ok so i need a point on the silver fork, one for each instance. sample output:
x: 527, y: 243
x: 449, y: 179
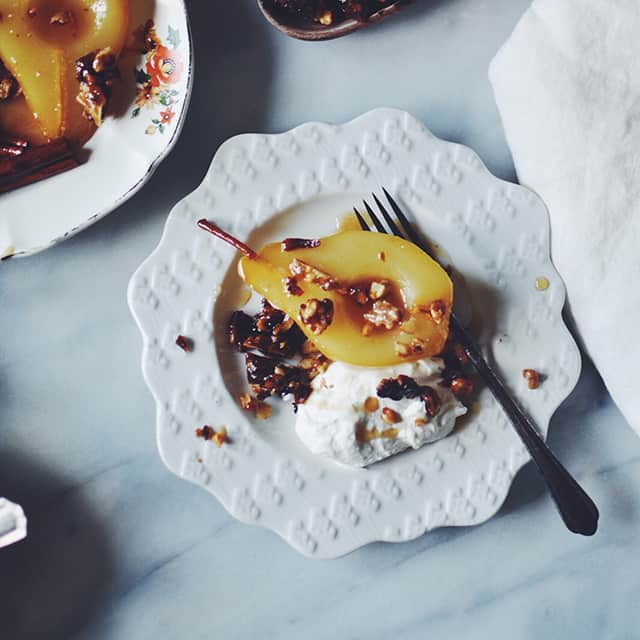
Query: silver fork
x: 578, y: 511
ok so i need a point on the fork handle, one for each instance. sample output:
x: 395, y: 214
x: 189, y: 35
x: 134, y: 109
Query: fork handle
x: 578, y: 511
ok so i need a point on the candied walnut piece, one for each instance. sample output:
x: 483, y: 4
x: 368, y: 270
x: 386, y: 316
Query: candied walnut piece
x: 316, y: 314
x: 371, y: 404
x: 60, y: 18
x: 532, y: 377
x: 239, y: 329
x: 461, y: 387
x: 186, y: 344
x: 205, y: 432
x: 289, y: 244
x: 431, y: 399
x: 397, y: 388
x: 378, y: 290
x: 390, y: 416
x: 220, y: 437
x: 299, y: 269
x: 96, y: 72
x: 406, y: 349
x: 437, y: 310
x: 383, y: 314
x: 261, y: 409
x: 270, y: 331
x: 291, y: 286
x: 9, y: 86
x: 269, y: 377
x: 314, y: 364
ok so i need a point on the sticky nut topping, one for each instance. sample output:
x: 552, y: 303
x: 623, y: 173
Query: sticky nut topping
x: 300, y: 270
x: 378, y: 290
x: 437, y: 310
x: 290, y: 244
x: 383, y: 314
x: 317, y: 315
x: 532, y: 377
x: 404, y: 349
x: 461, y: 387
x: 261, y: 409
x: 9, y: 86
x: 403, y: 386
x: 60, y: 18
x: 291, y: 286
x: 95, y: 72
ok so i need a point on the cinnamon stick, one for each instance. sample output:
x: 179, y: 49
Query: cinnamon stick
x: 34, y: 164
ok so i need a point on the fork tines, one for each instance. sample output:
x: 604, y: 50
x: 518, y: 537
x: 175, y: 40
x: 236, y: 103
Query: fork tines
x: 394, y: 228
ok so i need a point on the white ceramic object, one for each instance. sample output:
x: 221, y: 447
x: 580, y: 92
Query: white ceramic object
x: 124, y: 152
x: 13, y: 523
x: 265, y: 187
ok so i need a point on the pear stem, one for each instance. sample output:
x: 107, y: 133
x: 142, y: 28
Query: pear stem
x: 228, y: 238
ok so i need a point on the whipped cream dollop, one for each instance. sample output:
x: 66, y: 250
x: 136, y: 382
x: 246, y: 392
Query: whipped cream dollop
x: 335, y: 422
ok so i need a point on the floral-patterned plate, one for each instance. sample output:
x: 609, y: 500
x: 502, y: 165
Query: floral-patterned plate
x: 147, y: 112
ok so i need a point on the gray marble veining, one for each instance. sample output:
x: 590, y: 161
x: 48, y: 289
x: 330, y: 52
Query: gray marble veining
x: 119, y: 548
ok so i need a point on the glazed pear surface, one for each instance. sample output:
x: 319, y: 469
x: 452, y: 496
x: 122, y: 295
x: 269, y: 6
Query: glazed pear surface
x: 414, y: 284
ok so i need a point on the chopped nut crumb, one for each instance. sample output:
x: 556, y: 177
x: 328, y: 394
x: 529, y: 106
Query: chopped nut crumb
x: 431, y: 399
x: 398, y: 388
x: 390, y: 416
x: 186, y: 344
x: 60, y: 17
x: 291, y: 286
x: 383, y: 314
x: 532, y: 377
x: 326, y: 18
x: 461, y: 387
x: 377, y: 290
x: 220, y: 437
x: 371, y: 404
x: 315, y: 364
x: 300, y: 269
x: 9, y: 86
x: 406, y: 349
x: 316, y: 314
x: 437, y: 310
x: 205, y: 432
x: 420, y: 422
x: 96, y: 72
x: 381, y: 256
x: 261, y: 409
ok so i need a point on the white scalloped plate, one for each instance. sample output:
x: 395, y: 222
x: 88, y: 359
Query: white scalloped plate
x: 124, y: 152
x: 268, y: 187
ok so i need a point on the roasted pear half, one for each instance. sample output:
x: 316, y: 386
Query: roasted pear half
x: 368, y: 299
x: 40, y: 41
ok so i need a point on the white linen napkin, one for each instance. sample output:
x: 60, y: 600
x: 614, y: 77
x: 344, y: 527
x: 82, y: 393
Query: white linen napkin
x: 13, y: 524
x: 567, y: 84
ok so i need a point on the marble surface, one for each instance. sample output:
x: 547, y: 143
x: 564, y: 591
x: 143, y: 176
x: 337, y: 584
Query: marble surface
x: 119, y: 548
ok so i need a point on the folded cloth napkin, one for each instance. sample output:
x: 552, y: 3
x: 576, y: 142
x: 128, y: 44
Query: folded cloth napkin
x: 13, y: 524
x: 567, y: 84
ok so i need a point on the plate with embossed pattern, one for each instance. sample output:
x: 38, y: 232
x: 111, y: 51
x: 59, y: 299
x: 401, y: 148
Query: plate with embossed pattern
x: 266, y: 187
x: 147, y: 110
